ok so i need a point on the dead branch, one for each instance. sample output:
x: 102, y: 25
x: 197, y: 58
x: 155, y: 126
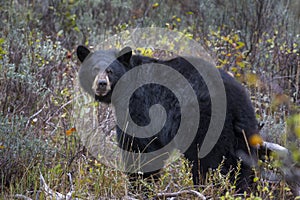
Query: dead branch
x: 60, y: 108
x: 33, y: 116
x: 289, y: 169
x: 180, y: 193
x: 21, y: 196
x: 56, y: 195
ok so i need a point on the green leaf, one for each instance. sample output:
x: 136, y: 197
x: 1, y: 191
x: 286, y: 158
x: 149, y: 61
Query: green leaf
x: 240, y: 45
x: 2, y: 40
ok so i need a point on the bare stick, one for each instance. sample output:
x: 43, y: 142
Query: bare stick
x: 180, y: 193
x: 34, y: 115
x: 20, y: 196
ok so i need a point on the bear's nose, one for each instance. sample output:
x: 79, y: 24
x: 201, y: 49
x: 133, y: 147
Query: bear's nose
x: 102, y: 83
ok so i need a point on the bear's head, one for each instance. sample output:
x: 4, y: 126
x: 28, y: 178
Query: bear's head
x: 101, y: 70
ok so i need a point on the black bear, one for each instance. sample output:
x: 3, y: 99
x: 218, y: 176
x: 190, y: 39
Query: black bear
x: 100, y: 80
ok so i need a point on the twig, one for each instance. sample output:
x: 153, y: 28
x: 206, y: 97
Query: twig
x: 246, y: 141
x: 69, y: 194
x: 21, y: 196
x: 276, y: 148
x: 49, y: 192
x: 34, y: 115
x: 56, y: 195
x: 180, y: 193
x: 62, y: 107
x: 72, y: 159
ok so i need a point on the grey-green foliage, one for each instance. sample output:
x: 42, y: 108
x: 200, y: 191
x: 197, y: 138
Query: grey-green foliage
x: 29, y: 68
x: 19, y: 151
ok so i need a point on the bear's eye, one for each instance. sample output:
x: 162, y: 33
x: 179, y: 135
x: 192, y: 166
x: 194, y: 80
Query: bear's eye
x: 109, y: 71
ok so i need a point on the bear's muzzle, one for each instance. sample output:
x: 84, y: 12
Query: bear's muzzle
x: 101, y: 85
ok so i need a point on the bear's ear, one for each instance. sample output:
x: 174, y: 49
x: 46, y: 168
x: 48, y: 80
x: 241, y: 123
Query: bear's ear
x: 124, y: 56
x: 82, y: 52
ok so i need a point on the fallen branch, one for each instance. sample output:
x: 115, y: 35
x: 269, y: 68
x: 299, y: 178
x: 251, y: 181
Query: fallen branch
x: 69, y: 194
x: 21, y: 196
x: 289, y: 170
x: 33, y: 116
x: 48, y: 191
x: 180, y: 193
x: 56, y: 195
x: 275, y: 148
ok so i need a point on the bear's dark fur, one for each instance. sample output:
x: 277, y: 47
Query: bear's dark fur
x: 240, y: 122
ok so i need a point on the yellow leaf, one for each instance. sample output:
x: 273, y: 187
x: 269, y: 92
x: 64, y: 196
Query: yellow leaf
x: 295, y: 45
x: 2, y: 147
x: 145, y: 51
x: 240, y: 45
x: 148, y: 52
x: 297, y: 131
x: 255, y: 179
x: 294, y: 123
x: 236, y: 37
x: 234, y: 69
x: 255, y: 140
x: 241, y: 64
x: 70, y: 131
x: 189, y: 35
x: 97, y: 164
x: 251, y: 79
x: 155, y: 5
x: 223, y: 62
x: 225, y: 38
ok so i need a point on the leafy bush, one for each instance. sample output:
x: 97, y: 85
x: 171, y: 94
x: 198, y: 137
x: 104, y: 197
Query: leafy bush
x: 19, y: 152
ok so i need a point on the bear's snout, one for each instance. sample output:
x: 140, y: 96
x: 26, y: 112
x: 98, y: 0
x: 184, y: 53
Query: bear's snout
x: 101, y: 86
